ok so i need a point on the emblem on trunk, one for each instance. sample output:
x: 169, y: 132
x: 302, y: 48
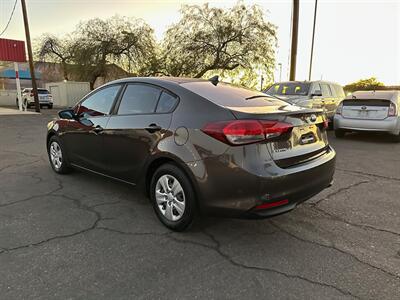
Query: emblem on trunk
x: 363, y: 107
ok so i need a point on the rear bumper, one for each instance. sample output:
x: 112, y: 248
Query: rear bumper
x: 390, y: 124
x: 227, y: 189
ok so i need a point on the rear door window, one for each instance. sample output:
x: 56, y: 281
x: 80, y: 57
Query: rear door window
x: 139, y: 99
x: 326, y: 91
x: 333, y: 90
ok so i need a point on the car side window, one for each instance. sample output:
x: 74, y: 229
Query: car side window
x: 326, y: 92
x: 332, y: 87
x: 315, y: 87
x: 339, y: 91
x: 166, y: 103
x: 139, y: 99
x: 99, y: 103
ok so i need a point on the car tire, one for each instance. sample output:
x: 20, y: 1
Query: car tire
x: 173, y: 197
x: 50, y: 106
x: 57, y: 156
x: 340, y: 133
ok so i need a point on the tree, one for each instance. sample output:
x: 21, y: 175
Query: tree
x: 117, y: 40
x: 95, y: 44
x: 56, y: 50
x: 364, y: 84
x: 207, y: 39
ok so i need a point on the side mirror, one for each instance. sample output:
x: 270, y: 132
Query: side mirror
x: 68, y: 114
x: 316, y: 93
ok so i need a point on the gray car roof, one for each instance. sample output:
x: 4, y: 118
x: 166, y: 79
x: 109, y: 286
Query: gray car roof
x: 178, y: 80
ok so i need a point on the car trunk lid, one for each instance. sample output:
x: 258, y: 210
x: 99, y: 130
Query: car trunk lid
x: 367, y: 109
x: 306, y: 141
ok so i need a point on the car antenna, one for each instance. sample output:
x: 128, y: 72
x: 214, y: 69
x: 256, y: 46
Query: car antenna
x: 214, y: 80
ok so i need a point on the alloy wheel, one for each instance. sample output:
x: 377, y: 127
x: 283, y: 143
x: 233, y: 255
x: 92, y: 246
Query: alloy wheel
x: 56, y: 155
x: 170, y: 197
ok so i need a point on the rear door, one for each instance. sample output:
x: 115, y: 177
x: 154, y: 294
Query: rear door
x: 139, y: 122
x: 366, y: 109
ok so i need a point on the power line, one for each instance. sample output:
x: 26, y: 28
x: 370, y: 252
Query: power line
x: 9, y: 20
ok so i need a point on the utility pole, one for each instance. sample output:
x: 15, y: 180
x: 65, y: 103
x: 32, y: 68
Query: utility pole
x: 295, y: 33
x: 30, y: 56
x: 280, y: 72
x: 312, y: 41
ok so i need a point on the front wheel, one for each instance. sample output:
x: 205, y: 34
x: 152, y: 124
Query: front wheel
x: 57, y: 156
x: 173, y: 197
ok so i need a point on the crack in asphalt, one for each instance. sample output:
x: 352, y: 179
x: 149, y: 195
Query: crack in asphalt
x: 21, y: 153
x: 217, y: 249
x: 231, y: 260
x: 369, y: 174
x: 19, y: 165
x: 332, y: 246
x: 363, y: 226
x: 338, y: 191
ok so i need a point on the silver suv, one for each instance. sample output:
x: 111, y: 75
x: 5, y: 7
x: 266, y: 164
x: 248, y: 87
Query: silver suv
x: 45, y: 98
x: 312, y: 94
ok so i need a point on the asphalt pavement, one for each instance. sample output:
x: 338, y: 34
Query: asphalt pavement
x: 81, y: 236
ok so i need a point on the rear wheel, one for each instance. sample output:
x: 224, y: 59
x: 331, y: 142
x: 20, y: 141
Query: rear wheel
x: 339, y: 133
x: 57, y: 156
x: 173, y: 197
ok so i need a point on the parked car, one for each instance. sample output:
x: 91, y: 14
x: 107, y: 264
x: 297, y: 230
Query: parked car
x: 369, y: 111
x: 45, y: 98
x: 315, y: 94
x: 197, y: 146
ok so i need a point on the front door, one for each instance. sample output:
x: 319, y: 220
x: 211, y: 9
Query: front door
x: 84, y: 136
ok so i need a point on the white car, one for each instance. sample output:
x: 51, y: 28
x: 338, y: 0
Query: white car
x: 369, y: 111
x: 45, y: 98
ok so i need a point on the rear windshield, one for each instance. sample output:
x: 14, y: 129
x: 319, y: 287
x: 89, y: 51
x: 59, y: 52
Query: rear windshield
x: 43, y: 92
x: 230, y: 96
x: 289, y: 88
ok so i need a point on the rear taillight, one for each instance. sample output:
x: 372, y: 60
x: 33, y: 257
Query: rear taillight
x: 392, y: 110
x: 339, y: 109
x: 240, y: 132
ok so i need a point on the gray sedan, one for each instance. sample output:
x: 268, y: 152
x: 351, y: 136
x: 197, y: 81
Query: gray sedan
x: 197, y: 146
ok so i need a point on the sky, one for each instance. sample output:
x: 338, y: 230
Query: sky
x: 354, y: 39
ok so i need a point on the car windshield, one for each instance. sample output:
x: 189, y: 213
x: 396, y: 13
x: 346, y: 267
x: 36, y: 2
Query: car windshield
x: 289, y: 88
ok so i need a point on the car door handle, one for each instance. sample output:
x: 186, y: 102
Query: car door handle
x: 153, y: 128
x: 98, y: 129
